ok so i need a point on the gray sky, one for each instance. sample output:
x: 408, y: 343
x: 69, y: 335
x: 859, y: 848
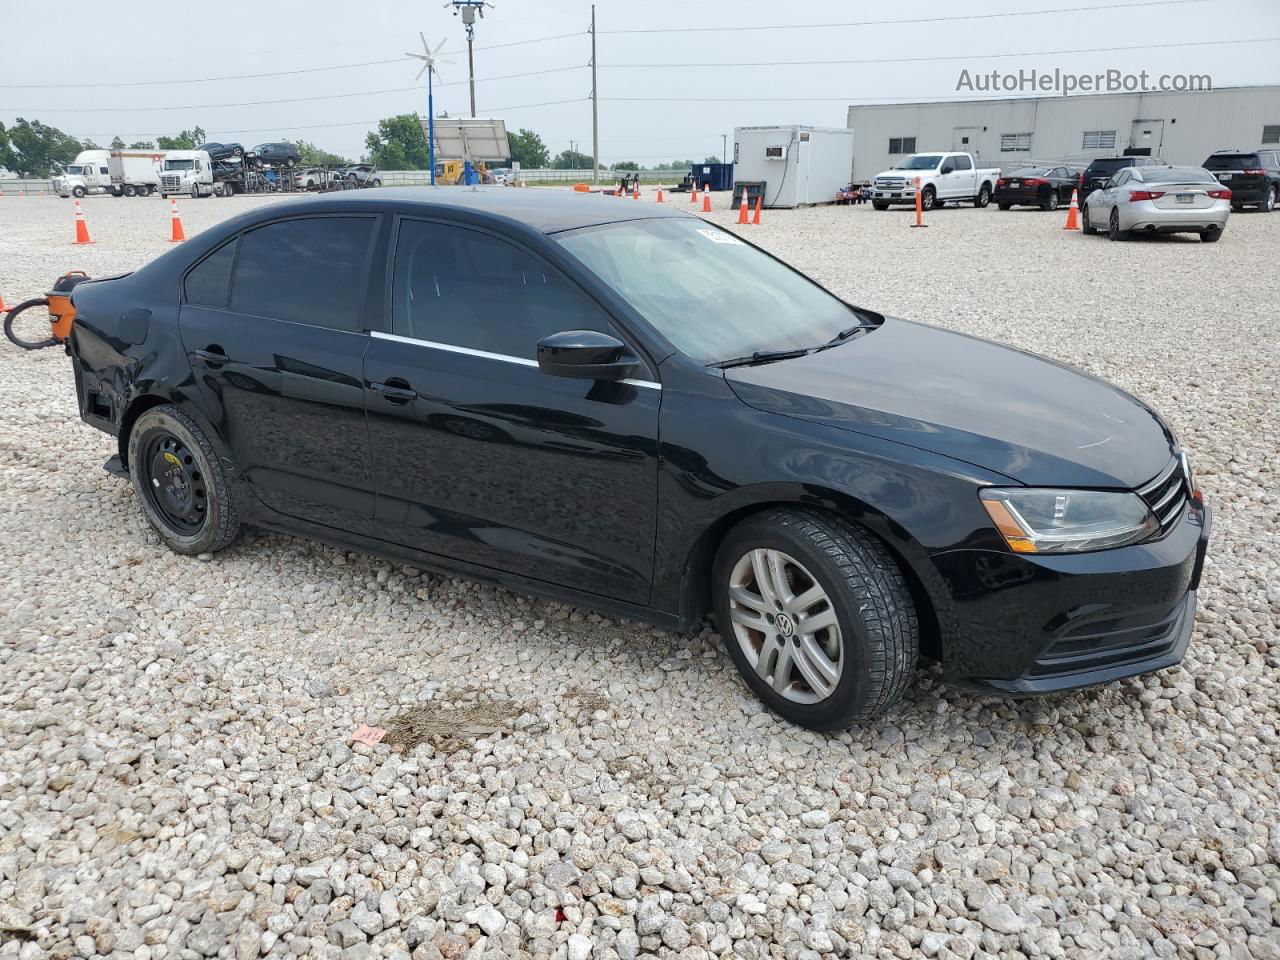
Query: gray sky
x: 635, y: 121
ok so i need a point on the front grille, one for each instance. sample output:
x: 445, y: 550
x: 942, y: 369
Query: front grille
x: 1167, y: 495
x: 890, y: 183
x: 170, y: 183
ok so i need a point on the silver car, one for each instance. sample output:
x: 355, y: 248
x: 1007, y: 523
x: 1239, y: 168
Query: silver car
x: 1159, y: 200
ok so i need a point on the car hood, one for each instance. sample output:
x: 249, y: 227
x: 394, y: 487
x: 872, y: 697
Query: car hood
x: 1034, y: 420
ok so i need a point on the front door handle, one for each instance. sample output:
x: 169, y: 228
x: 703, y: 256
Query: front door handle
x: 395, y: 390
x: 213, y: 356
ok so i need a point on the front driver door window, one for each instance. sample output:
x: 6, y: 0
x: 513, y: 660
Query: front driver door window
x: 480, y: 456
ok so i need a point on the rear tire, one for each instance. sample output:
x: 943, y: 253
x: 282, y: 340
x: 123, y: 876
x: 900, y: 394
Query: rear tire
x: 1004, y: 206
x: 984, y: 196
x: 1086, y: 227
x: 1113, y: 227
x: 865, y: 653
x: 1269, y: 204
x: 1211, y: 236
x: 180, y: 483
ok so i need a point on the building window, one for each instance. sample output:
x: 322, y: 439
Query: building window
x: 1099, y: 140
x: 902, y: 145
x: 1015, y: 143
x: 1271, y: 133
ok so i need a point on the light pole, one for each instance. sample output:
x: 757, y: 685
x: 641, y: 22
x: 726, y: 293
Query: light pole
x: 429, y: 60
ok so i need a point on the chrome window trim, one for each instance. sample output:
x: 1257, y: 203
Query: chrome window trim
x: 486, y: 355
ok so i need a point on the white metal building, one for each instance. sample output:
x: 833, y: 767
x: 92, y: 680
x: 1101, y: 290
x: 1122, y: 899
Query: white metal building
x: 798, y: 165
x: 1179, y: 127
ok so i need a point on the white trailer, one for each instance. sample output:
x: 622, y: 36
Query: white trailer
x: 798, y: 165
x: 135, y: 173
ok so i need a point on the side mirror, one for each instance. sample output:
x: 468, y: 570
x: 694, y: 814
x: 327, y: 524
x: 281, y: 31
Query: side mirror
x: 586, y: 355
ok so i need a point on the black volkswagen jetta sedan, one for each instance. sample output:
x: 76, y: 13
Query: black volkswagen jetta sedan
x: 627, y: 407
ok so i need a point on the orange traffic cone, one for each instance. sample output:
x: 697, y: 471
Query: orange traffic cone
x: 706, y: 198
x: 178, y: 236
x: 1073, y: 222
x: 3, y: 307
x: 82, y: 229
x: 759, y: 202
x: 635, y: 192
x: 693, y: 194
x: 659, y: 193
x: 742, y: 208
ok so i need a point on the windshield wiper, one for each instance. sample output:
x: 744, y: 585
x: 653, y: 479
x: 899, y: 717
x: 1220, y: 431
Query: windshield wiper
x: 762, y: 356
x: 846, y: 333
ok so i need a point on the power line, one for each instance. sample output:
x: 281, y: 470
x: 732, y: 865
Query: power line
x: 259, y: 103
x: 963, y: 56
x: 172, y: 82
x: 908, y: 20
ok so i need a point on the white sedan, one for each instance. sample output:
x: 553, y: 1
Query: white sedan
x: 1163, y: 199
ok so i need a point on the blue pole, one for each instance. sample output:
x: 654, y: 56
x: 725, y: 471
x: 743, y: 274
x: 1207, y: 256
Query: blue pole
x: 431, y: 127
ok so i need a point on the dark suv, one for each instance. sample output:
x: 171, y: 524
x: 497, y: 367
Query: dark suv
x: 1253, y: 176
x: 278, y: 154
x: 222, y: 151
x: 1102, y: 169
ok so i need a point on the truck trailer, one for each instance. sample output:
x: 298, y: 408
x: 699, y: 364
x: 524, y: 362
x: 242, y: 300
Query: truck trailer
x: 135, y: 173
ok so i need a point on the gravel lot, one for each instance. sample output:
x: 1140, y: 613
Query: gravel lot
x: 176, y: 777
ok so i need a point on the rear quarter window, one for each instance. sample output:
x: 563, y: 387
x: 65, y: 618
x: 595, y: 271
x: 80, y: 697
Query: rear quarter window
x: 209, y: 281
x: 1232, y: 161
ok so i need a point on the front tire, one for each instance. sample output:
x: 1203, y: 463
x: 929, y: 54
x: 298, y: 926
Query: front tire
x: 879, y: 205
x: 180, y: 482
x: 1086, y: 227
x: 78, y: 192
x: 1269, y: 204
x: 817, y: 617
x: 1051, y: 201
x: 928, y: 198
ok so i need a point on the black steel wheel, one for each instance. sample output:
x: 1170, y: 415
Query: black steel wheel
x: 180, y: 482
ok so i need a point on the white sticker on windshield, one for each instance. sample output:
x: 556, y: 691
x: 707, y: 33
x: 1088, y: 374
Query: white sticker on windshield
x: 719, y: 236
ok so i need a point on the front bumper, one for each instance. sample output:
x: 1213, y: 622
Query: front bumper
x: 1032, y: 625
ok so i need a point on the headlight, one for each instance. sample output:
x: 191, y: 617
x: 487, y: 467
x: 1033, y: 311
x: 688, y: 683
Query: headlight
x: 1067, y: 521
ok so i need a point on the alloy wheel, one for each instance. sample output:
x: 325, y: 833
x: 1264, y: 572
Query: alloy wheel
x: 174, y: 484
x: 786, y: 625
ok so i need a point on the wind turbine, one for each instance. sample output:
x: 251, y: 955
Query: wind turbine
x: 429, y: 60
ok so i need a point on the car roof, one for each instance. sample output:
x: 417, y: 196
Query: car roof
x: 547, y: 210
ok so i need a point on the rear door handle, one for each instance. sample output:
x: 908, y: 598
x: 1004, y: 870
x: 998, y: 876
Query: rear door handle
x: 214, y: 358
x: 394, y: 390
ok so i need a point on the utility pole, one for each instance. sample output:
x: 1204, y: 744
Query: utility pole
x: 595, y: 106
x: 724, y: 148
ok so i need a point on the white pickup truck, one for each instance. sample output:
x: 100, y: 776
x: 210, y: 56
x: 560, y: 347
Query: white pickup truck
x: 943, y: 177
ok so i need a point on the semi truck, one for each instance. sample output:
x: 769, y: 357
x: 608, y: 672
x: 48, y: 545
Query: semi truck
x: 190, y: 172
x: 121, y: 173
x: 88, y: 173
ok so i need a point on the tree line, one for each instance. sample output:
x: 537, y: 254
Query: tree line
x: 34, y: 149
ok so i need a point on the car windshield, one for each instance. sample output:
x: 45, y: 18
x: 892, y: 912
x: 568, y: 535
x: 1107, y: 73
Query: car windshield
x: 922, y: 162
x: 713, y: 296
x: 75, y: 170
x: 1233, y: 161
x: 179, y: 164
x: 1178, y: 175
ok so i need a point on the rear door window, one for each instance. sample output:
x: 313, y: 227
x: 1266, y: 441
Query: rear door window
x: 467, y: 288
x: 308, y: 270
